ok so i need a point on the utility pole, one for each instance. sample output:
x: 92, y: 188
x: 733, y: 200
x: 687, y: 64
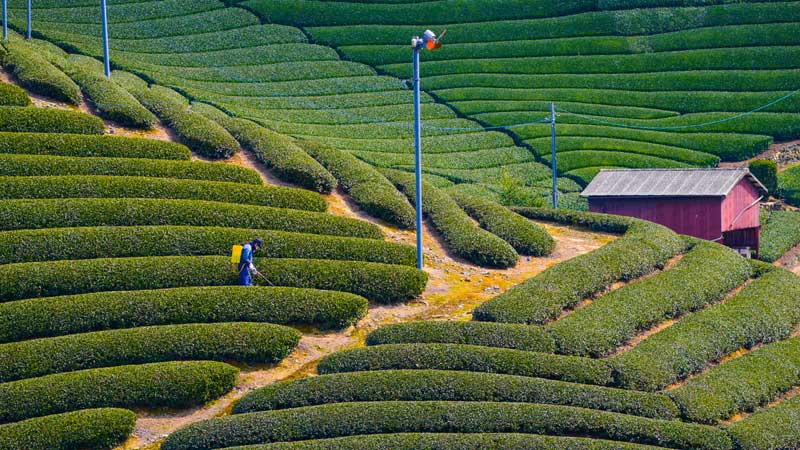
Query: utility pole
x: 430, y: 42
x: 104, y: 16
x: 418, y: 149
x: 553, y: 154
x: 5, y: 20
x: 28, y: 31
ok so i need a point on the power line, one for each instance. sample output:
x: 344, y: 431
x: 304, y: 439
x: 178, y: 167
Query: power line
x: 682, y: 127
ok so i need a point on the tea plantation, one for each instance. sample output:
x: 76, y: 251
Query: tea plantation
x: 117, y: 289
x: 118, y: 298
x: 630, y: 79
x: 698, y: 350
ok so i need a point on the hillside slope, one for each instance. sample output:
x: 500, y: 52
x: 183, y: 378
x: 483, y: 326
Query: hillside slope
x: 630, y: 79
x: 273, y: 75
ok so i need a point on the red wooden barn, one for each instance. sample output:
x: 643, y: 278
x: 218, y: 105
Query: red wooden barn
x: 715, y: 204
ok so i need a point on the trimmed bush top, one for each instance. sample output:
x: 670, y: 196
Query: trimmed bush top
x: 64, y: 315
x: 101, y: 186
x: 103, y: 146
x: 349, y: 419
x: 90, y: 429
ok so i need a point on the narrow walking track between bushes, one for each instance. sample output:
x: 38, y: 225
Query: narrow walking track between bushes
x: 455, y: 288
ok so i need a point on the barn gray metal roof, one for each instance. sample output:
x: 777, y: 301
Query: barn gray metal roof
x: 667, y: 182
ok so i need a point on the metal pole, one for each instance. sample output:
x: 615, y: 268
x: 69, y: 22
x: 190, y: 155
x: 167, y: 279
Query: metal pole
x: 5, y: 20
x: 104, y: 14
x: 553, y: 155
x: 28, y: 34
x: 418, y: 155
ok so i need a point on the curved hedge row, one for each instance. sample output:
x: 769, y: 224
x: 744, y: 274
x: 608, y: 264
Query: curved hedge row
x: 704, y: 275
x: 101, y: 186
x: 383, y: 283
x: 87, y: 429
x: 106, y: 242
x: 525, y: 236
x: 471, y: 358
x: 450, y: 441
x: 198, y: 132
x: 349, y: 419
x: 742, y: 384
x: 422, y: 385
x: 367, y: 187
x: 489, y: 334
x: 766, y: 310
x: 37, y: 74
x: 774, y: 428
x: 57, y: 316
x: 172, y: 384
x: 11, y: 95
x: 644, y: 247
x: 41, y: 165
x: 238, y: 341
x: 460, y: 234
x: 111, y: 100
x: 45, y: 120
x: 104, y: 146
x: 49, y: 213
x: 278, y: 152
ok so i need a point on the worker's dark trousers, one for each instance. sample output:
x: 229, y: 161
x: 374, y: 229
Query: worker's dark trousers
x: 244, y: 275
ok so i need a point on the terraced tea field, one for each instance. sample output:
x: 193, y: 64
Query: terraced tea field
x: 273, y: 75
x: 630, y: 79
x: 117, y: 288
x: 653, y: 341
x: 120, y: 314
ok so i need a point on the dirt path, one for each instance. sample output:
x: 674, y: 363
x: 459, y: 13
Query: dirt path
x: 454, y: 290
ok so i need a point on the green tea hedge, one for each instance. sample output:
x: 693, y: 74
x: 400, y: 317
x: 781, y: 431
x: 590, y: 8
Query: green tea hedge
x: 742, y: 384
x: 454, y: 441
x: 368, y: 187
x: 644, y: 247
x: 789, y: 182
x: 460, y: 234
x: 704, y: 275
x: 470, y: 358
x: 11, y: 95
x: 774, y: 428
x: 278, y: 152
x: 97, y: 429
x: 45, y: 120
x: 766, y: 170
x: 421, y: 385
x: 111, y: 100
x: 101, y: 186
x: 489, y: 334
x: 178, y: 384
x: 766, y: 310
x: 37, y: 74
x: 41, y: 165
x: 63, y: 315
x: 198, y: 132
x: 383, y: 283
x: 349, y: 419
x: 62, y: 144
x: 106, y: 242
x: 238, y: 341
x: 49, y: 213
x: 779, y: 234
x: 525, y: 236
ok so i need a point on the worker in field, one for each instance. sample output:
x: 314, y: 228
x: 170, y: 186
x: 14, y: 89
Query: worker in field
x: 246, y: 267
